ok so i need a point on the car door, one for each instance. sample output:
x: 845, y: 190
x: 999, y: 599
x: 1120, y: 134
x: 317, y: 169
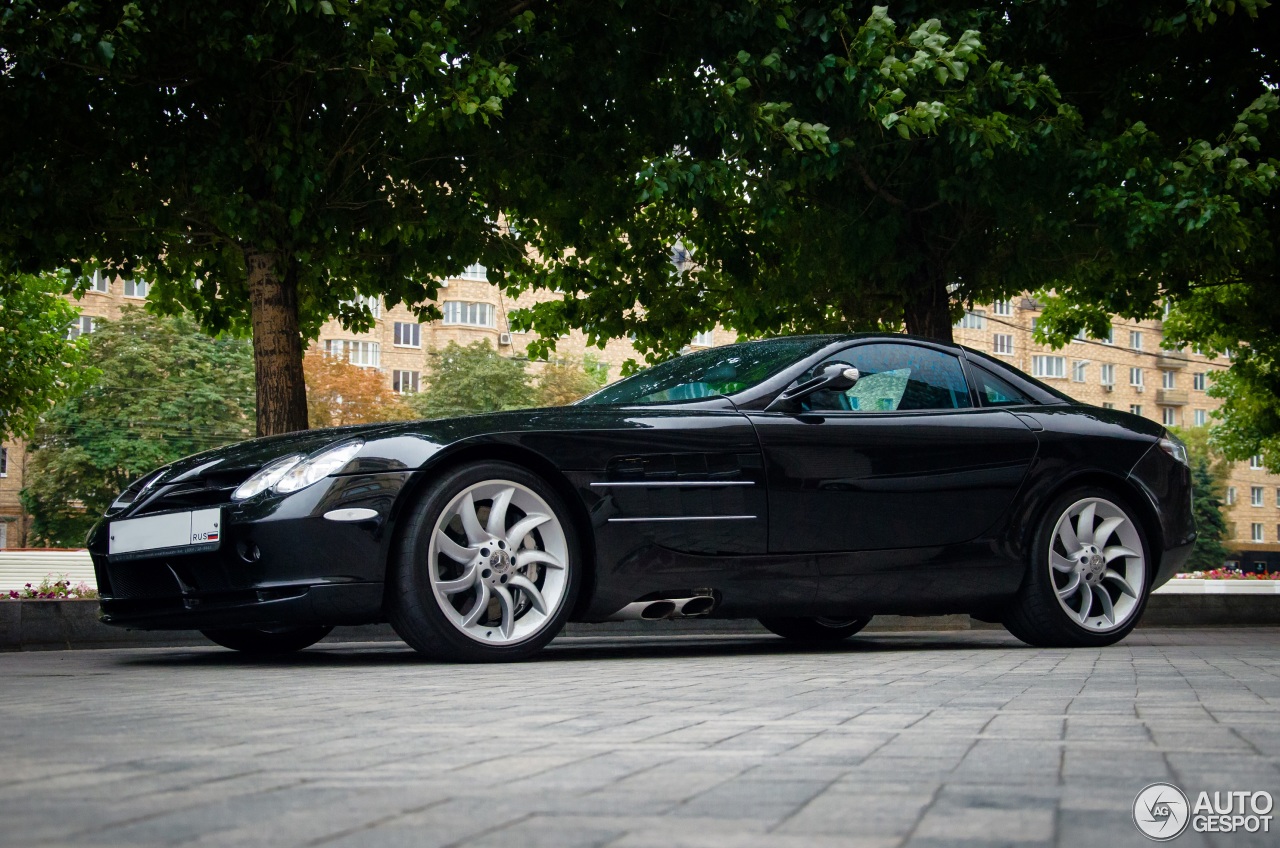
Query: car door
x: 903, y: 459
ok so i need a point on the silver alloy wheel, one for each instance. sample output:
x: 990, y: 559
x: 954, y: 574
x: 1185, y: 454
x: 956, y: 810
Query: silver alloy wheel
x: 498, y: 562
x: 1097, y: 565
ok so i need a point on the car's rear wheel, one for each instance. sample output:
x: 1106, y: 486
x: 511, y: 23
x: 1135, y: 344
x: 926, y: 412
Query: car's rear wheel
x: 815, y: 630
x: 488, y: 567
x: 284, y: 640
x: 1089, y: 576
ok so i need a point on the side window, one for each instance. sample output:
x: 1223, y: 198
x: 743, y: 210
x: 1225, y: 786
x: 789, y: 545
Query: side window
x: 993, y: 391
x: 896, y: 378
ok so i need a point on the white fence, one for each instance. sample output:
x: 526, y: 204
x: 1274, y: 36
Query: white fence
x: 18, y: 568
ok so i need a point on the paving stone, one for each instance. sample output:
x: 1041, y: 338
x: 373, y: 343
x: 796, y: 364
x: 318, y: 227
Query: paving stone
x: 963, y: 738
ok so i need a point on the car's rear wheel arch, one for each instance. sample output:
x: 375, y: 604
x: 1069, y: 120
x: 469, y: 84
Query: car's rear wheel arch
x: 1102, y: 483
x: 529, y: 460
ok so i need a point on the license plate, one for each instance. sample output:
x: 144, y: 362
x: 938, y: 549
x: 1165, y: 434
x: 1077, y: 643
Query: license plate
x: 200, y: 528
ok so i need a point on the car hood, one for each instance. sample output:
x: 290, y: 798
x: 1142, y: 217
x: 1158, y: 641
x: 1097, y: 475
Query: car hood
x: 405, y: 445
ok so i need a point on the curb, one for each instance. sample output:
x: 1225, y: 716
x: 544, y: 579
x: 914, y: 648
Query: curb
x: 74, y: 625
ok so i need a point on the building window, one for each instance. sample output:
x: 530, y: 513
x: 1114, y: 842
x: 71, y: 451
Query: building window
x: 1255, y: 462
x: 1002, y: 307
x: 136, y: 288
x: 1200, y: 417
x: 1197, y: 381
x: 1167, y: 416
x: 707, y: 339
x: 1255, y: 495
x: 1035, y: 322
x: 1048, y: 366
x: 1106, y: 405
x: 368, y: 302
x: 1255, y: 532
x: 408, y: 335
x: 405, y: 382
x: 1135, y: 408
x: 4, y: 534
x: 1110, y: 337
x: 974, y: 319
x: 475, y: 272
x: 1108, y: 373
x: 1135, y: 339
x: 4, y: 465
x: 1231, y: 496
x: 81, y: 326
x: 1169, y: 379
x: 100, y: 283
x: 1278, y: 500
x: 364, y: 354
x: 1002, y: 343
x: 1078, y: 371
x: 1135, y: 376
x: 468, y: 313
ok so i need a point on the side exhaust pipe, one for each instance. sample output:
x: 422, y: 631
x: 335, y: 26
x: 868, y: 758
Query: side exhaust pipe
x: 657, y: 610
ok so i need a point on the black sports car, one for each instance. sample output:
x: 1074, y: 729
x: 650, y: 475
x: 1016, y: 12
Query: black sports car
x: 812, y: 482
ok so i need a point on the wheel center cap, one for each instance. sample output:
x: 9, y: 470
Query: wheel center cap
x: 500, y: 562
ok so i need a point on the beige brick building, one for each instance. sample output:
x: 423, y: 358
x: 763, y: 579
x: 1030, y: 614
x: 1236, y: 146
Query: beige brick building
x: 1128, y: 371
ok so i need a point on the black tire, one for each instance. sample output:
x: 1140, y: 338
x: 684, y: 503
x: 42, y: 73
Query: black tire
x: 413, y: 609
x: 264, y: 642
x: 1036, y: 617
x: 815, y: 631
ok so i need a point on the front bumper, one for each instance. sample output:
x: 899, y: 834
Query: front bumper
x: 280, y: 562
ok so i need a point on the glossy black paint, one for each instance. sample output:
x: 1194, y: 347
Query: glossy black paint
x: 783, y: 512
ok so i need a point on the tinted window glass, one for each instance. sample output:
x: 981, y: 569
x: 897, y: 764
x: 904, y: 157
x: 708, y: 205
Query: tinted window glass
x: 993, y: 391
x: 706, y: 373
x: 896, y: 378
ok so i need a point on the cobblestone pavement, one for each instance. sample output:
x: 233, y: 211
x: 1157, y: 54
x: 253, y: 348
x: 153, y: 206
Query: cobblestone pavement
x: 914, y: 739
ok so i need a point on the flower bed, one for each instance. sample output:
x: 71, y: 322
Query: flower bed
x: 1228, y: 574
x: 53, y: 588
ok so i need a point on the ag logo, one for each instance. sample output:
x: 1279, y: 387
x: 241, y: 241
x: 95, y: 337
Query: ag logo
x: 1161, y: 811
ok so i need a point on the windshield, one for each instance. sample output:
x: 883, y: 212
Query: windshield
x: 706, y: 373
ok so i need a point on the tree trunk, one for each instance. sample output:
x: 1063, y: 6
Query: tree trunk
x: 277, y: 345
x: 928, y: 308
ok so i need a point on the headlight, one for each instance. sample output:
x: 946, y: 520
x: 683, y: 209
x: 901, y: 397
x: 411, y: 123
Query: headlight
x: 266, y: 477
x: 316, y: 467
x: 1173, y: 446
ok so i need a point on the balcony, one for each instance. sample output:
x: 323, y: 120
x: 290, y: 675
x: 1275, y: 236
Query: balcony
x: 1171, y: 397
x: 1170, y: 360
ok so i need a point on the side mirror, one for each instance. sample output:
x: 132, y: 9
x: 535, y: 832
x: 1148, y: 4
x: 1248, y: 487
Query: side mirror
x: 836, y: 377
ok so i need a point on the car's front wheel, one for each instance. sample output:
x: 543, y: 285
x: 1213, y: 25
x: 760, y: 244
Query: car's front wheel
x: 278, y: 641
x: 815, y: 630
x: 488, y: 567
x: 1089, y: 575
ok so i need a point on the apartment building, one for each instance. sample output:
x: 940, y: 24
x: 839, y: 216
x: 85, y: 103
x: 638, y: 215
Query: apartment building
x: 1129, y: 370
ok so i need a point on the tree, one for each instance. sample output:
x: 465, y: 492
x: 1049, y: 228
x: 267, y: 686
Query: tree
x: 339, y: 393
x: 1206, y: 505
x: 826, y: 169
x: 831, y: 169
x: 261, y: 163
x: 39, y: 364
x: 562, y: 382
x: 475, y: 378
x: 165, y: 390
x: 1209, y: 471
